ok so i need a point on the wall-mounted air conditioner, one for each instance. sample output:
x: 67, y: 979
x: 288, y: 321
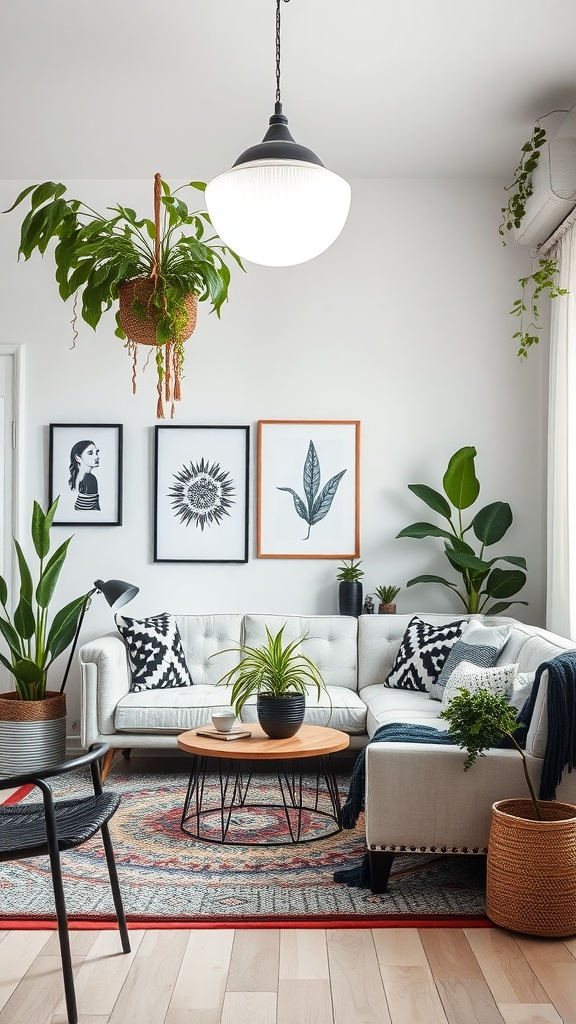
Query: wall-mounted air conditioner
x: 554, y: 192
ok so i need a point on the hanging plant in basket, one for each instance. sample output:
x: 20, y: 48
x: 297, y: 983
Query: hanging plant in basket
x: 157, y: 270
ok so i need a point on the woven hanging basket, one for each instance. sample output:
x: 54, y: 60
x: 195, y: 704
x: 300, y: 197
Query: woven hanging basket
x: 531, y: 870
x: 144, y: 331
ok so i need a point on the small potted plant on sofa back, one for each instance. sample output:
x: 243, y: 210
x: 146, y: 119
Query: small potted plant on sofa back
x: 278, y: 674
x: 531, y: 869
x: 350, y: 590
x: 386, y: 597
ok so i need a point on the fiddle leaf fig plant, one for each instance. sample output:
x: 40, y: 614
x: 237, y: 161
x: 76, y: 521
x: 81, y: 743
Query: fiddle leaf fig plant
x: 482, y: 581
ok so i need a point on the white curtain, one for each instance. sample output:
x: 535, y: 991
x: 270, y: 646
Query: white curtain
x: 561, y: 544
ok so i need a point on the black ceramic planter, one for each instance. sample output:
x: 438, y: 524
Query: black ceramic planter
x: 280, y: 717
x: 350, y: 597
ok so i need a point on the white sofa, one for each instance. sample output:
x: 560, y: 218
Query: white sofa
x: 418, y: 797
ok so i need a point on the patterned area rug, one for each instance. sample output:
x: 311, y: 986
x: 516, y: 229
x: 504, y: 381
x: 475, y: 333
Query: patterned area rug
x: 168, y: 876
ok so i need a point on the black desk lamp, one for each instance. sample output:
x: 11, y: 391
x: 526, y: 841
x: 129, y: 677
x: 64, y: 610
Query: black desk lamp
x: 117, y: 593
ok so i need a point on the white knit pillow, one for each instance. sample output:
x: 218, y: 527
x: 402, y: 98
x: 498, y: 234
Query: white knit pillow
x: 498, y: 680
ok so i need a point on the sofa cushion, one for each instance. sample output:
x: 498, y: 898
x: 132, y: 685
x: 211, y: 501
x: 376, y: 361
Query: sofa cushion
x: 480, y: 645
x: 155, y: 652
x: 170, y: 710
x: 210, y: 644
x: 330, y: 641
x: 498, y: 679
x: 413, y: 706
x: 423, y: 652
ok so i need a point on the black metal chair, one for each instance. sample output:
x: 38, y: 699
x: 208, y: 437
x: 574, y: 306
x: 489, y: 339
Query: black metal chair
x: 44, y: 829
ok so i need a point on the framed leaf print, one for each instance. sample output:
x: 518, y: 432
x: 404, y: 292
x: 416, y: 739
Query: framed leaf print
x: 201, y: 494
x: 308, y: 489
x: 85, y: 473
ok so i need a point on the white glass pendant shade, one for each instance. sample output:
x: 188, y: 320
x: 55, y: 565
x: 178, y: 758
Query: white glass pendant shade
x: 278, y: 212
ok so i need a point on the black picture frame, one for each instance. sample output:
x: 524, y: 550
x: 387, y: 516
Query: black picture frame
x: 201, y: 493
x: 97, y: 499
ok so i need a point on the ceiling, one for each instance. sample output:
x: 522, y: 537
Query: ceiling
x: 378, y: 88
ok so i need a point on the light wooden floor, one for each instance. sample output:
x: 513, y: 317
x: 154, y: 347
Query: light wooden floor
x: 292, y: 976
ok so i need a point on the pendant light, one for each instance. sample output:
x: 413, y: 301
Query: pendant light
x: 278, y: 205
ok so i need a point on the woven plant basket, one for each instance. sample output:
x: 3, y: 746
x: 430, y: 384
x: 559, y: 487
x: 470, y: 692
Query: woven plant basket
x: 144, y: 331
x: 32, y: 732
x: 531, y: 870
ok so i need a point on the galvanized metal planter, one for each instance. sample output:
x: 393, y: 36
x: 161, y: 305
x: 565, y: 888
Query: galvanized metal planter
x: 32, y: 732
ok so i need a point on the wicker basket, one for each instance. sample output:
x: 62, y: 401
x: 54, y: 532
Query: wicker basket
x: 144, y: 331
x: 531, y: 871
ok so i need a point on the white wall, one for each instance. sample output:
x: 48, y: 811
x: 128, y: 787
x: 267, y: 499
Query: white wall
x: 402, y: 324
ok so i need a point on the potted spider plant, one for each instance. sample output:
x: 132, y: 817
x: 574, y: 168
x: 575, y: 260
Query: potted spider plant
x: 32, y: 717
x: 386, y: 597
x: 531, y: 867
x: 350, y: 576
x: 278, y: 674
x: 156, y: 270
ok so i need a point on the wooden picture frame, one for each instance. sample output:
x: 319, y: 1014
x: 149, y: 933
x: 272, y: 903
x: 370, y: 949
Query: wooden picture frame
x: 201, y: 491
x: 308, y: 489
x: 85, y: 473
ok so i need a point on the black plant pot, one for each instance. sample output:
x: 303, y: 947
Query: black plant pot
x: 350, y: 597
x: 280, y: 717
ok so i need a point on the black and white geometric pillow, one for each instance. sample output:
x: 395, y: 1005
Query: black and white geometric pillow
x: 422, y: 654
x: 155, y: 653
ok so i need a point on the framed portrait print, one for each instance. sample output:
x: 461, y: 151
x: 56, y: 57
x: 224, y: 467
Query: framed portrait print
x: 85, y: 473
x: 201, y: 494
x: 308, y: 489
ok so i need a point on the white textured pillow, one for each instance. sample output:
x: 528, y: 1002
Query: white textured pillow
x: 498, y: 680
x: 480, y: 645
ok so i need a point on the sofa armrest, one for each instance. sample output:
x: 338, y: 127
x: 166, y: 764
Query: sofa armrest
x: 419, y: 797
x: 105, y: 679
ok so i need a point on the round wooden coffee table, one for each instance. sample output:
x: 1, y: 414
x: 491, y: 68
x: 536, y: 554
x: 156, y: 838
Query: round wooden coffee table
x: 307, y: 790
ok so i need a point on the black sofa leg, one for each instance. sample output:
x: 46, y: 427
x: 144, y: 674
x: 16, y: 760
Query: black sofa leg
x: 380, y: 862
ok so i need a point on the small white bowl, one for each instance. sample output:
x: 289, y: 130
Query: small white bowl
x: 223, y: 720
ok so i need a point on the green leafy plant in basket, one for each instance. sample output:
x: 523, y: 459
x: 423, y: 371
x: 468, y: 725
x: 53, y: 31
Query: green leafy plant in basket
x: 482, y: 580
x: 158, y: 270
x: 477, y: 721
x: 276, y: 669
x: 33, y: 641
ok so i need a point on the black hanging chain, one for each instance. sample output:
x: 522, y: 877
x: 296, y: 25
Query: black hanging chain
x: 278, y: 2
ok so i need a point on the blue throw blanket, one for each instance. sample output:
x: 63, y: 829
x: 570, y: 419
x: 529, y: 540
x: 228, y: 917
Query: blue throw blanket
x: 560, y: 750
x: 394, y: 732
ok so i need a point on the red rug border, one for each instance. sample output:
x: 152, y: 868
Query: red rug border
x: 18, y: 795
x: 135, y: 923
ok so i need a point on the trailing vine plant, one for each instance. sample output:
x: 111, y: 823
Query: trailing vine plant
x: 526, y: 307
x: 513, y: 212
x: 544, y: 278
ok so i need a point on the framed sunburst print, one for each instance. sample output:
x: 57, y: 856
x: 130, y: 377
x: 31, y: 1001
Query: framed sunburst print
x: 308, y: 489
x: 201, y: 486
